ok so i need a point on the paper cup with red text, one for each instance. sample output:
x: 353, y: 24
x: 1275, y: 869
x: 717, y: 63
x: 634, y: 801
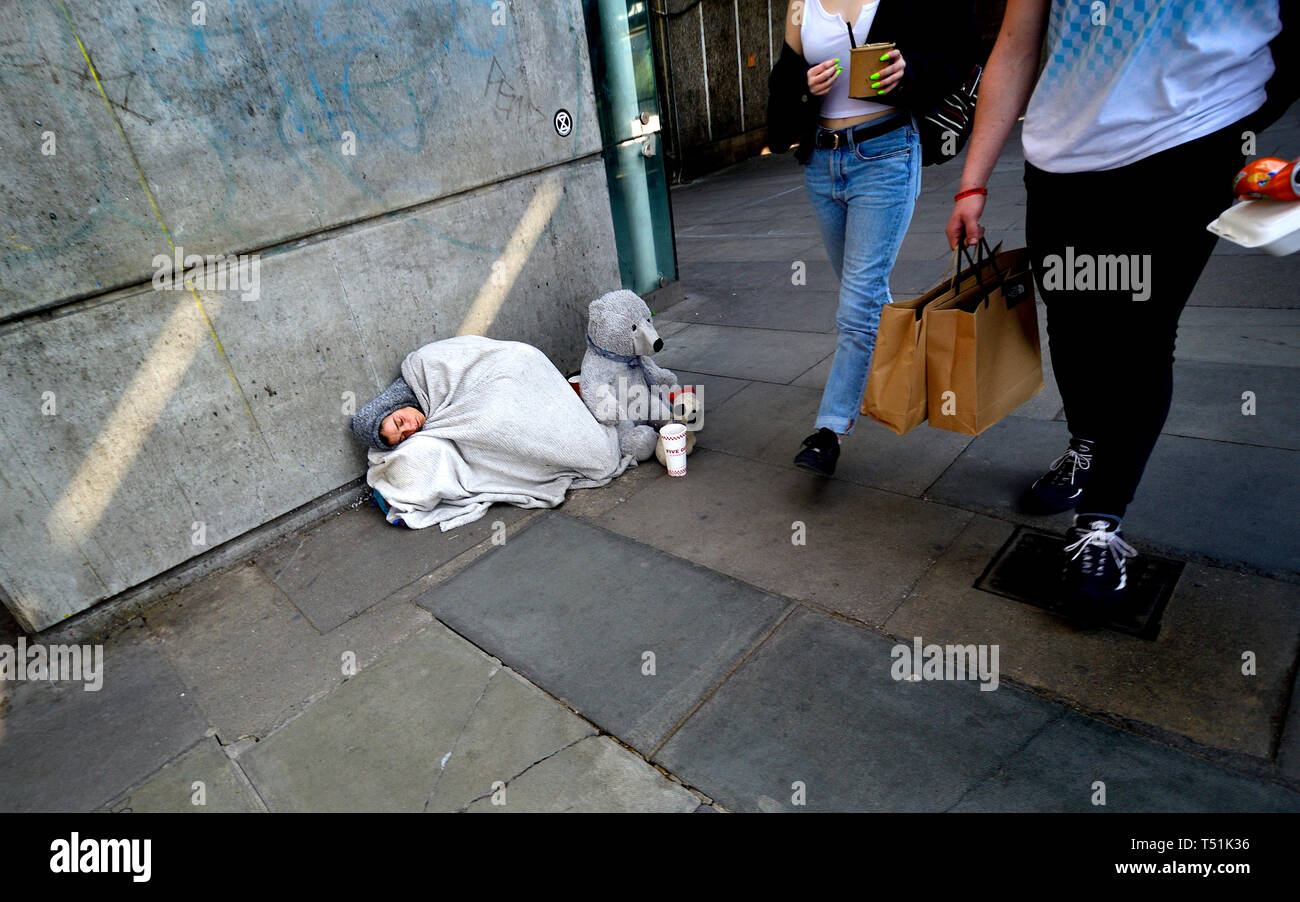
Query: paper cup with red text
x: 674, y: 439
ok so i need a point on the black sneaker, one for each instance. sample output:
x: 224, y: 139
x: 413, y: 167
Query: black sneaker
x: 1095, y: 575
x: 820, y: 452
x: 1059, y: 488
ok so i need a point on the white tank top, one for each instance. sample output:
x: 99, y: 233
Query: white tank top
x: 825, y: 36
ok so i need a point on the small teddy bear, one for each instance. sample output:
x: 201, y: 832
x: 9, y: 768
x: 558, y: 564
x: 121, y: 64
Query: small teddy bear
x: 686, y: 410
x: 620, y: 384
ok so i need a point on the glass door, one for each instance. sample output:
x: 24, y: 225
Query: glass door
x: 627, y: 104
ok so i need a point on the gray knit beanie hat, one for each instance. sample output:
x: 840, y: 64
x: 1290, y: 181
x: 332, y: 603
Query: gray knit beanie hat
x: 365, y: 425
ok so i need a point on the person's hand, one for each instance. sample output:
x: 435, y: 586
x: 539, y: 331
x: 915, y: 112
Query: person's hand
x: 822, y: 75
x: 889, y: 77
x: 965, y: 220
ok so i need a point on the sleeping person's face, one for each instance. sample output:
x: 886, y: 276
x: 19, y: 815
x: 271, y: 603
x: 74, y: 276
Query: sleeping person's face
x: 401, y: 424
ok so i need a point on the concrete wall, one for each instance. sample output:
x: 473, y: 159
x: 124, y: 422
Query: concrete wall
x: 141, y: 427
x: 712, y: 94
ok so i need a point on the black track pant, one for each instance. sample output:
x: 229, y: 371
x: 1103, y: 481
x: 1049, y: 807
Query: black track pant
x: 1112, y: 341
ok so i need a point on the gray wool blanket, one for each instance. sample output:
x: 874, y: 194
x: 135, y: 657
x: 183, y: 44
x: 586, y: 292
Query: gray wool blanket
x: 501, y: 425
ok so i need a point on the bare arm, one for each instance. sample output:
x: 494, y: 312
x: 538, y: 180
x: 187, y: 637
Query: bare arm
x: 793, y: 19
x: 1004, y: 91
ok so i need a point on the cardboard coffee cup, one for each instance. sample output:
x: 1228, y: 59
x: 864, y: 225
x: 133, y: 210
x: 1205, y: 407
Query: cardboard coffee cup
x: 674, y: 439
x: 864, y: 62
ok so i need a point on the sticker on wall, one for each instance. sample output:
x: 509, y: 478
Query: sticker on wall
x: 563, y: 123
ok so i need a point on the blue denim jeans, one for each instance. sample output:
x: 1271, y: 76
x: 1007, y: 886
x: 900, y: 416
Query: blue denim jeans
x: 863, y: 197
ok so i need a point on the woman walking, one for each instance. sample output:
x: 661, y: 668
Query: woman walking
x: 1132, y: 135
x: 863, y: 161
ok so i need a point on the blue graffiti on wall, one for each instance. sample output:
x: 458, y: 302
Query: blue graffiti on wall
x: 286, y: 79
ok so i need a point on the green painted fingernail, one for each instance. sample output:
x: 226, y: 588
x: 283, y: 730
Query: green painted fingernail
x: 874, y: 77
x: 885, y: 57
x: 839, y: 69
x: 880, y: 92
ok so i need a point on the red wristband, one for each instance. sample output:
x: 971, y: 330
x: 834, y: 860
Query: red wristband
x: 968, y: 192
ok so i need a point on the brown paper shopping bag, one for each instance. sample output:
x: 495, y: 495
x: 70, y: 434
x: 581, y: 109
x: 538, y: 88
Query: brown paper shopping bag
x: 895, y: 395
x: 981, y: 346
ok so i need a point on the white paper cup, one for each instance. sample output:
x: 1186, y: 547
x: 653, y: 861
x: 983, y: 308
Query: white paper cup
x: 674, y: 439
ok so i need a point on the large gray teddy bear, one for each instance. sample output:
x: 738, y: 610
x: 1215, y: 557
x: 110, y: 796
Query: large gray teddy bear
x: 620, y: 384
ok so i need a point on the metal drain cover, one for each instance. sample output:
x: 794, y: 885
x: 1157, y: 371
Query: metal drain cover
x: 1028, y: 569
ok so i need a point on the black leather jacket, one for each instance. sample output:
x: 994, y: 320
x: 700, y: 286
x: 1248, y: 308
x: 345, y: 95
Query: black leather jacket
x: 938, y: 40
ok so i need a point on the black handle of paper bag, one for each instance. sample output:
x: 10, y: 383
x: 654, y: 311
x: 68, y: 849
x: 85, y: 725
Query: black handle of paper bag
x: 978, y: 263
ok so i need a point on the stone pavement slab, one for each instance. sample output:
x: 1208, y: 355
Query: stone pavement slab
x: 1055, y: 772
x: 1188, y: 681
x: 1230, y: 280
x: 172, y: 790
x: 785, y: 218
x: 817, y: 704
x: 384, y: 740
x: 251, y: 661
x: 65, y: 749
x: 593, y: 503
x: 575, y: 609
x: 768, y: 422
x: 758, y: 224
x: 1233, y: 501
x: 930, y: 246
x: 755, y: 417
x: 739, y: 192
x: 759, y: 199
x: 816, y: 376
x: 337, y: 569
x: 767, y: 354
x: 716, y: 389
x: 863, y: 549
x: 1004, y: 211
x: 594, y: 775
x: 695, y: 249
x: 718, y: 278
x: 875, y: 456
x: 780, y: 306
x: 1237, y: 335
x: 1208, y: 403
x: 1288, y: 749
x: 788, y: 213
x: 514, y: 728
x: 667, y: 328
x: 912, y: 277
x: 996, y: 468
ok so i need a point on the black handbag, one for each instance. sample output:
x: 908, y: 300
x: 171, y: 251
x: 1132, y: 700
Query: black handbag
x: 946, y: 128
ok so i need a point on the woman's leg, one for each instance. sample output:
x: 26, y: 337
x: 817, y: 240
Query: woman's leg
x: 1179, y: 247
x: 1064, y: 214
x: 881, y: 179
x: 824, y: 179
x: 1112, y: 350
x: 1113, y: 346
x: 826, y: 194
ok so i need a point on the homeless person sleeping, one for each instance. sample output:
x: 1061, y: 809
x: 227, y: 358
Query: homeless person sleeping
x: 472, y: 421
